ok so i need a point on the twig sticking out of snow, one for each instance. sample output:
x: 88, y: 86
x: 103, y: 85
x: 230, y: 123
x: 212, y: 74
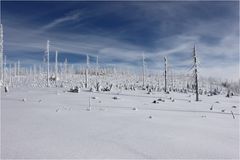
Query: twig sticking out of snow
x: 92, y: 89
x: 6, y: 89
x: 211, y: 107
x: 232, y: 114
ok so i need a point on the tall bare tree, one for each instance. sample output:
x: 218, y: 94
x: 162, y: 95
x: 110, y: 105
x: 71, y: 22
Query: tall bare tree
x: 18, y: 70
x: 1, y: 52
x: 195, y: 72
x: 47, y: 52
x: 86, y: 71
x: 143, y: 69
x: 56, y: 64
x: 97, y: 67
x: 5, y: 70
x: 66, y: 68
x: 165, y: 74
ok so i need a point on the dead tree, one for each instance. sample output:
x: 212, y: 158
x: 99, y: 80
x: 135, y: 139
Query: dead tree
x: 172, y: 78
x: 97, y: 66
x: 56, y: 65
x: 66, y: 69
x: 86, y: 71
x: 15, y: 69
x: 165, y: 74
x: 34, y: 72
x: 1, y: 52
x: 5, y: 70
x: 195, y: 73
x: 143, y: 69
x: 47, y: 52
x: 10, y: 74
x: 18, y: 70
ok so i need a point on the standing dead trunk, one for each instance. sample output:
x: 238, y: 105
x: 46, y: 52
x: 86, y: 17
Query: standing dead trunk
x: 143, y: 69
x: 48, y: 83
x: 195, y: 73
x: 56, y: 65
x: 86, y: 71
x: 1, y: 53
x: 165, y: 75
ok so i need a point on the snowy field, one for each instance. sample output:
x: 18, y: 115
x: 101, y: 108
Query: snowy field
x: 52, y: 123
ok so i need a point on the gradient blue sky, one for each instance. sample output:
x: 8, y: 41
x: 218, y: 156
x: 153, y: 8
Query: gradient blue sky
x: 119, y: 32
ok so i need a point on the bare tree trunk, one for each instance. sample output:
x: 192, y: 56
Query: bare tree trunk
x: 48, y: 83
x: 172, y: 81
x: 165, y: 74
x: 97, y: 66
x: 15, y: 69
x: 143, y: 69
x: 65, y: 69
x: 10, y: 74
x: 5, y: 70
x: 86, y: 72
x: 56, y: 65
x: 18, y: 70
x: 195, y: 73
x: 1, y: 53
x: 34, y: 72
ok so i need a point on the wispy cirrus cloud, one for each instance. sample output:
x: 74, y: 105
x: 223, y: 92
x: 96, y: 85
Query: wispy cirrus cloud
x: 69, y: 17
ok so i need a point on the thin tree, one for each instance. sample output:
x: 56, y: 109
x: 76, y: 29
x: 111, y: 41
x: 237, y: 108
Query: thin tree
x: 165, y: 74
x: 34, y: 72
x: 1, y: 53
x: 56, y: 65
x: 172, y: 78
x: 195, y: 73
x: 96, y: 65
x: 5, y: 70
x: 66, y: 68
x: 86, y: 71
x: 143, y: 69
x: 18, y: 70
x: 10, y: 74
x: 15, y: 69
x: 48, y: 84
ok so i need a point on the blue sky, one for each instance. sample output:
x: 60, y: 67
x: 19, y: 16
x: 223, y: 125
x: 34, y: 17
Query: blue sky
x: 119, y: 32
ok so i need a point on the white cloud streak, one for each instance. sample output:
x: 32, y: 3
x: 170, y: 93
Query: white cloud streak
x: 71, y: 17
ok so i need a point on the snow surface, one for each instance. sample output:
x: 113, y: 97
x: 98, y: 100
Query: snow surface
x: 52, y: 123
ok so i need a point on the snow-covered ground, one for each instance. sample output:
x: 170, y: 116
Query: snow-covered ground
x: 52, y: 123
